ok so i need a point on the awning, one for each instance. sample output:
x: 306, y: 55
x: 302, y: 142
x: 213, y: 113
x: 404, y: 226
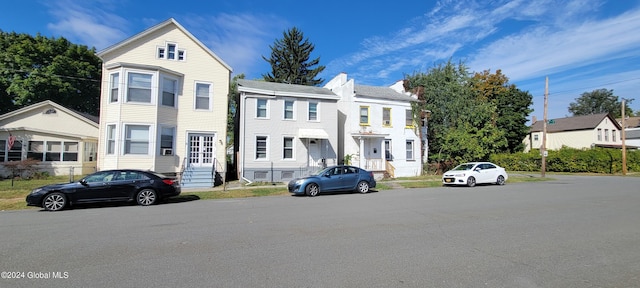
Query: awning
x: 313, y: 133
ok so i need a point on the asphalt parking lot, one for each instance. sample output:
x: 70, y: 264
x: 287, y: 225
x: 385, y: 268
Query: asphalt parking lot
x: 571, y: 232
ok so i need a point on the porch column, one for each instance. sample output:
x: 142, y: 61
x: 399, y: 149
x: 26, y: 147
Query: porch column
x: 361, y: 159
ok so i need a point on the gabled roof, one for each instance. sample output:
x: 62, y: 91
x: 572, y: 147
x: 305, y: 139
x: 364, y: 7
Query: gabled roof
x: 586, y: 122
x: 167, y: 22
x: 281, y: 89
x: 378, y: 92
x: 630, y: 122
x: 90, y: 119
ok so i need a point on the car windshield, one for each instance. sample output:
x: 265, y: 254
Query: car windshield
x: 463, y: 167
x: 323, y: 171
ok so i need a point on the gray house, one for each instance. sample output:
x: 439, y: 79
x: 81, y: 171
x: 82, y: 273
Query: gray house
x: 288, y: 130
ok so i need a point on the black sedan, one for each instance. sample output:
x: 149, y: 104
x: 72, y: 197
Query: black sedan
x: 334, y: 178
x: 144, y: 187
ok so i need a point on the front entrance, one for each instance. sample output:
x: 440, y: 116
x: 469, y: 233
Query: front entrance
x: 201, y: 150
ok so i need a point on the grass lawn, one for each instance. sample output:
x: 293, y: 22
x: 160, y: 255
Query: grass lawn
x: 12, y: 195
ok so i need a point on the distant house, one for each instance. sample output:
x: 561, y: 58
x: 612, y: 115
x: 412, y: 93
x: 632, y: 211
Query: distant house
x: 632, y: 131
x: 377, y: 129
x: 164, y: 105
x: 64, y: 140
x: 598, y: 130
x: 286, y: 131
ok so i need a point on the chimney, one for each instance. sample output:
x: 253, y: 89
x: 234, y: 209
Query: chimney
x: 534, y: 119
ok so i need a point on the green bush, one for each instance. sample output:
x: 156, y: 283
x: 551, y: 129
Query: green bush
x: 597, y: 160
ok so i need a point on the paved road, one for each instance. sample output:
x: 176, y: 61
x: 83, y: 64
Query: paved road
x: 571, y: 232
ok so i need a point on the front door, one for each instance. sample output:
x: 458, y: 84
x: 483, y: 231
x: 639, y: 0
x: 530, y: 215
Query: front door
x: 201, y: 150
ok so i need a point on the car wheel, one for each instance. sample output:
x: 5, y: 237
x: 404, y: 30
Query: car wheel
x: 363, y: 187
x: 147, y: 197
x: 54, y: 202
x: 471, y: 182
x: 313, y: 190
x: 500, y: 180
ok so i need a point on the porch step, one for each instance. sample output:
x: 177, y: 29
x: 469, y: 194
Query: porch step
x: 197, y: 178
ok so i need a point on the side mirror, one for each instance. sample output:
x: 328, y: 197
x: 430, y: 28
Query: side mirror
x: 83, y: 182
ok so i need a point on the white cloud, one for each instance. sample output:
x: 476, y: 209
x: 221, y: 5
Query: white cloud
x: 92, y: 27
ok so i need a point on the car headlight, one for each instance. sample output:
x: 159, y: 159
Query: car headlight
x: 34, y: 191
x: 460, y: 175
x: 299, y: 181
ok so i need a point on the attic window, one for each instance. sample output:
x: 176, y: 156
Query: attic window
x: 50, y: 111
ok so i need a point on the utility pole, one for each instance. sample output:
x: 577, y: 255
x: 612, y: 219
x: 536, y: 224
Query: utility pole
x: 543, y: 149
x: 623, y: 136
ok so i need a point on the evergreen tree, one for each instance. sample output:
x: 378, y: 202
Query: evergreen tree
x: 290, y: 60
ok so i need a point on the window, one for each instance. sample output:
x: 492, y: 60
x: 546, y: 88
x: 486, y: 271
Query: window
x: 166, y: 138
x: 288, y: 109
x: 313, y: 111
x: 535, y: 137
x: 599, y: 134
x: 261, y: 108
x: 111, y: 139
x: 139, y: 88
x: 408, y: 118
x: 606, y: 135
x: 54, y: 151
x: 70, y: 152
x: 203, y: 96
x: 161, y: 53
x: 613, y: 135
x: 136, y: 139
x: 261, y: 147
x: 169, y: 92
x: 115, y: 87
x: 90, y: 151
x: 387, y: 150
x: 36, y: 150
x: 410, y: 150
x: 364, y: 115
x: 386, y: 117
x: 181, y: 55
x: 3, y: 150
x: 287, y: 148
x: 171, y: 51
x: 15, y: 153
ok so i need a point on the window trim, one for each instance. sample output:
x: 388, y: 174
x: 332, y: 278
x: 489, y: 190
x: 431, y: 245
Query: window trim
x: 413, y: 150
x: 125, y: 140
x: 152, y: 88
x: 409, y: 118
x: 293, y: 109
x: 114, y: 87
x: 112, y: 139
x: 388, y: 125
x: 266, y: 148
x: 368, y: 115
x: 292, y: 148
x: 195, y: 95
x: 266, y: 108
x: 317, y: 105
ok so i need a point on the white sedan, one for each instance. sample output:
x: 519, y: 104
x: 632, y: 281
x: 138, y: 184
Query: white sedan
x: 473, y: 173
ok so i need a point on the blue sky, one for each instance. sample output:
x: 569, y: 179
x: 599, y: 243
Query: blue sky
x: 581, y: 45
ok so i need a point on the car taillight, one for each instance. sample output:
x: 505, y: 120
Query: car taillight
x: 371, y: 174
x: 168, y: 181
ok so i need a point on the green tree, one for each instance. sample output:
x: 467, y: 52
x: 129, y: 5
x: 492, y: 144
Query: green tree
x: 599, y: 101
x: 290, y: 60
x: 512, y: 106
x: 461, y: 125
x: 34, y: 69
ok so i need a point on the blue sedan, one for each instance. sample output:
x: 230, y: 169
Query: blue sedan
x: 332, y: 179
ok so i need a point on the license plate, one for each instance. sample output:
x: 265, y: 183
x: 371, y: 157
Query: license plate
x: 448, y: 180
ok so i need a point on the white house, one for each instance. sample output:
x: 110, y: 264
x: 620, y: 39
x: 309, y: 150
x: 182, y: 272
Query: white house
x: 376, y: 128
x: 63, y: 140
x: 163, y: 105
x: 597, y: 130
x: 286, y: 131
